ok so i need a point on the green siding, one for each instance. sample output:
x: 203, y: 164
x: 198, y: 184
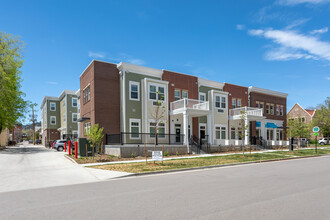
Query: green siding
x: 71, y: 126
x: 53, y: 113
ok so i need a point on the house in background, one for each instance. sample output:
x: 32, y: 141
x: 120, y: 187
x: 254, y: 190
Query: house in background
x: 4, y: 137
x: 59, y: 117
x: 305, y: 115
x: 122, y: 98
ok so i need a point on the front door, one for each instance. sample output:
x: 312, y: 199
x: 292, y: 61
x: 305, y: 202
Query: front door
x: 178, y: 135
x: 202, y: 131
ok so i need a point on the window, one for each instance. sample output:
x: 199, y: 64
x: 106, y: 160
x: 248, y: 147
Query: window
x: 281, y: 110
x: 270, y: 134
x: 233, y: 103
x: 261, y: 104
x: 52, y: 120
x: 217, y: 132
x: 134, y: 128
x: 257, y: 104
x: 161, y: 129
x: 156, y: 93
x: 53, y: 106
x: 217, y: 101
x: 87, y: 94
x: 177, y: 95
x: 202, y: 97
x: 74, y: 117
x: 233, y: 133
x: 87, y: 127
x: 239, y: 103
x: 134, y: 91
x: 220, y: 101
x: 64, y: 117
x: 74, y: 102
x: 277, y: 110
x: 223, y: 102
x: 268, y: 108
x: 220, y: 132
x: 184, y: 94
x: 272, y: 109
x: 223, y: 133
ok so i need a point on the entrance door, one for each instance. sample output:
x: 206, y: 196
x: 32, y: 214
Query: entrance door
x: 202, y: 131
x: 178, y: 135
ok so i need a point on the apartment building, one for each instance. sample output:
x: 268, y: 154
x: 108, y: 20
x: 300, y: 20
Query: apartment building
x: 59, y: 117
x: 124, y: 98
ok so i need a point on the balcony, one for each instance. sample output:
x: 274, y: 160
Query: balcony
x: 192, y: 105
x: 252, y: 113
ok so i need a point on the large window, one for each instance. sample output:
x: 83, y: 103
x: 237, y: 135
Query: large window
x: 184, y: 94
x: 74, y: 102
x: 52, y: 120
x: 134, y: 128
x: 233, y: 133
x: 202, y: 97
x: 134, y: 90
x: 220, y: 101
x: 156, y: 92
x: 87, y: 127
x: 74, y: 117
x: 223, y: 102
x: 233, y: 103
x: 217, y: 101
x: 87, y: 94
x: 177, y: 95
x: 161, y: 129
x: 220, y: 132
x: 53, y: 106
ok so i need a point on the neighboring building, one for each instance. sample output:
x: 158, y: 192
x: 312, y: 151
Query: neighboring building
x: 59, y: 116
x: 4, y: 137
x: 305, y: 115
x: 122, y: 98
x: 15, y: 133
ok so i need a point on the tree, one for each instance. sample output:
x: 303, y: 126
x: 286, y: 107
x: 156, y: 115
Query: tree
x: 33, y: 119
x: 322, y: 118
x: 158, y: 116
x: 13, y: 106
x: 298, y: 128
x: 95, y: 135
x: 243, y: 128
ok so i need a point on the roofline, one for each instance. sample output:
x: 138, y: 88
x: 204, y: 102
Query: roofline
x: 302, y: 108
x: 210, y: 83
x: 235, y: 85
x: 267, y: 91
x: 139, y: 69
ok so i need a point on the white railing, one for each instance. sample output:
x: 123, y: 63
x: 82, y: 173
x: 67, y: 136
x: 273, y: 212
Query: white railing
x: 189, y: 104
x: 248, y: 110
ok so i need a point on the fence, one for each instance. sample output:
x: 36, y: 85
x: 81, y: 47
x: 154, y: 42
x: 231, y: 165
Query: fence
x: 144, y: 138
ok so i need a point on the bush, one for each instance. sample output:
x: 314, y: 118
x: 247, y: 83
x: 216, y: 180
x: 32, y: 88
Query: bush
x: 166, y: 154
x: 177, y: 153
x: 133, y: 155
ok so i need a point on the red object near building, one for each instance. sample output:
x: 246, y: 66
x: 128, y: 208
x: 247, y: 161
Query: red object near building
x: 69, y: 147
x: 76, y: 149
x: 64, y: 146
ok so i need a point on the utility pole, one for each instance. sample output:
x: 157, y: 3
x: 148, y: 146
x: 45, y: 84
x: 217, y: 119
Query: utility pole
x: 33, y: 127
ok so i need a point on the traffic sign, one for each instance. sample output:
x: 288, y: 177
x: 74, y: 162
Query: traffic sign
x: 316, y: 129
x: 316, y: 134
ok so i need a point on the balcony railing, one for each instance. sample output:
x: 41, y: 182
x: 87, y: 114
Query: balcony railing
x: 248, y: 110
x: 185, y: 104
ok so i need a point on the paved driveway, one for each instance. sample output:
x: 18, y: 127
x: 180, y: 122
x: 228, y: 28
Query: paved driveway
x: 31, y: 166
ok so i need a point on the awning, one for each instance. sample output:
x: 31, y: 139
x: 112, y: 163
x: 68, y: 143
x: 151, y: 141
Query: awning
x: 82, y: 119
x: 258, y: 124
x: 270, y: 125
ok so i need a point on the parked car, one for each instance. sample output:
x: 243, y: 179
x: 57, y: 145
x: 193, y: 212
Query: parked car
x: 30, y: 141
x: 59, y: 145
x: 323, y: 141
x: 38, y: 141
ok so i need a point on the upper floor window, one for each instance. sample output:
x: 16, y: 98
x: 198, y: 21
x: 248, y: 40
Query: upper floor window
x: 239, y: 103
x: 184, y: 94
x: 74, y: 102
x: 272, y: 109
x: 220, y: 101
x: 74, y: 117
x: 277, y: 110
x: 261, y: 105
x: 87, y: 94
x: 156, y: 92
x: 52, y: 120
x: 257, y: 104
x: 217, y: 101
x: 87, y: 127
x: 177, y: 95
x: 134, y: 90
x: 202, y: 97
x: 281, y: 110
x: 233, y: 103
x: 267, y: 108
x: 223, y: 102
x: 53, y: 106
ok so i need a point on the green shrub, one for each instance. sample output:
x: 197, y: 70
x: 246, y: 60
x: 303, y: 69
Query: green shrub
x: 177, y: 153
x: 166, y: 154
x: 133, y: 155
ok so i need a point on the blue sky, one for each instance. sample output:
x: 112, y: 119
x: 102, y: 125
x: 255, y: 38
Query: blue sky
x: 275, y: 44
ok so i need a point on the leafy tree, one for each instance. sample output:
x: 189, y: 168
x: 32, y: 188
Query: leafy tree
x: 322, y: 118
x: 12, y: 104
x: 95, y: 135
x: 298, y: 128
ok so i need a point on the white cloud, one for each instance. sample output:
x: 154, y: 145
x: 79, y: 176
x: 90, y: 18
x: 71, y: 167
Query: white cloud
x: 293, y: 45
x: 240, y: 27
x: 328, y: 78
x: 96, y: 54
x: 52, y: 83
x: 319, y: 31
x: 296, y: 2
x: 136, y: 61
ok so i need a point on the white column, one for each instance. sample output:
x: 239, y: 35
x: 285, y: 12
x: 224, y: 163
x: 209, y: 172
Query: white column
x: 247, y: 131
x: 210, y: 128
x: 275, y: 135
x: 263, y: 130
x: 185, y: 129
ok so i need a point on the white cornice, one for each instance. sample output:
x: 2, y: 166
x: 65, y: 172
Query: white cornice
x: 143, y: 70
x: 267, y: 91
x: 210, y: 83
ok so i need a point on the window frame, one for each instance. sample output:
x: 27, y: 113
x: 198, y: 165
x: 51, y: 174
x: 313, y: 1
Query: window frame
x: 184, y: 91
x: 73, y: 117
x: 50, y: 106
x: 150, y: 126
x: 239, y: 101
x: 272, y: 107
x: 134, y: 120
x: 176, y: 98
x: 87, y: 126
x: 51, y: 121
x: 232, y: 103
x: 202, y: 94
x: 76, y: 102
x: 157, y: 90
x: 232, y: 130
x: 267, y: 108
x: 130, y: 90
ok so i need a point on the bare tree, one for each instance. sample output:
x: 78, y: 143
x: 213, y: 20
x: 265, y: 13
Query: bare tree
x: 158, y: 116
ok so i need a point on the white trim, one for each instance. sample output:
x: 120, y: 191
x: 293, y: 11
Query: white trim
x: 72, y: 101
x: 210, y: 83
x: 50, y: 106
x: 76, y: 116
x: 143, y: 70
x: 52, y: 120
x: 203, y: 94
x: 221, y: 126
x: 157, y: 85
x: 130, y: 126
x: 199, y: 129
x: 130, y: 91
x: 267, y: 91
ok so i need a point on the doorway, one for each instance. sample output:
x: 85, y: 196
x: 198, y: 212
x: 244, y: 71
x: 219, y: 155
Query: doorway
x: 177, y: 133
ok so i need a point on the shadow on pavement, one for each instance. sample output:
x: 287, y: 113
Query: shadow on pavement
x: 21, y: 149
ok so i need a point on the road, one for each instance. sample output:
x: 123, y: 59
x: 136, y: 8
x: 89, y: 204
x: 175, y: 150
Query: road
x: 29, y: 166
x: 294, y: 189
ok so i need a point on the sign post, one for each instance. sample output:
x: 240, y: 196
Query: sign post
x: 316, y: 133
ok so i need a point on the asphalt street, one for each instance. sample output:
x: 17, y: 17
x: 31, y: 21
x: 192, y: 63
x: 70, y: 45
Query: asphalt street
x: 293, y: 189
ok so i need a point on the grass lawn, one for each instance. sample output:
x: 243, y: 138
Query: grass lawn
x: 208, y: 161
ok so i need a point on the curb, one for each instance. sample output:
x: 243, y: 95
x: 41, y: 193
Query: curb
x: 69, y: 158
x: 217, y: 166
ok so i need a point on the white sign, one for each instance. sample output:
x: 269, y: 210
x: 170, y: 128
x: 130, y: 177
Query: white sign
x: 316, y: 129
x: 157, y: 155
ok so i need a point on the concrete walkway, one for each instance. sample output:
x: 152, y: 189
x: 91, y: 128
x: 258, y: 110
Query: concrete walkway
x: 29, y: 166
